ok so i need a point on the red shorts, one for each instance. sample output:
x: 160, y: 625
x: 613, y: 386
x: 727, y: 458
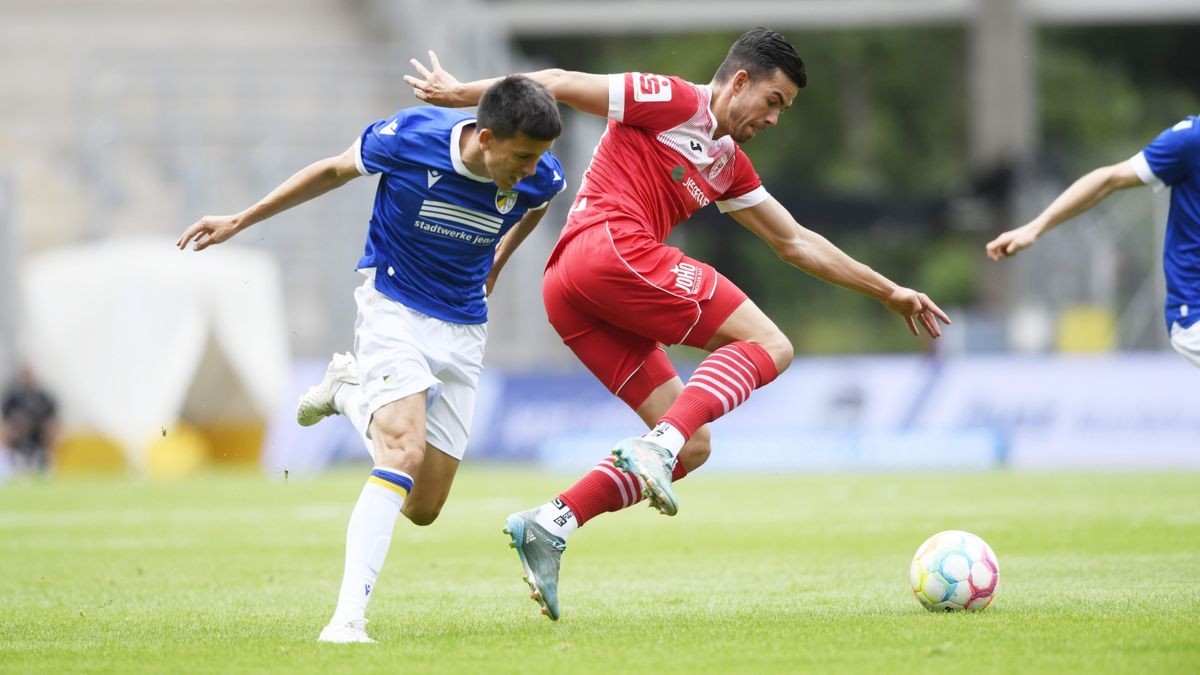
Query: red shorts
x: 615, y: 296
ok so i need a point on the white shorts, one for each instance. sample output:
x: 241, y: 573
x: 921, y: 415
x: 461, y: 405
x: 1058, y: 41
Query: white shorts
x: 1186, y: 341
x: 401, y: 352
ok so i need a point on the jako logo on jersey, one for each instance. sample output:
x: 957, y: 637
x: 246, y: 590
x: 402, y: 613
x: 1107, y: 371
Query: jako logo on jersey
x: 389, y: 130
x: 434, y: 177
x: 505, y: 200
x: 650, y: 88
x: 687, y: 277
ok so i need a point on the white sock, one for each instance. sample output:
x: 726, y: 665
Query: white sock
x: 368, y: 537
x: 350, y: 402
x: 557, y: 518
x: 667, y: 436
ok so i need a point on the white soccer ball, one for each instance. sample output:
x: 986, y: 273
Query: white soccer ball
x: 954, y: 570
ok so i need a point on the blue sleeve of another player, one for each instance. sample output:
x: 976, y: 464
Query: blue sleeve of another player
x: 1174, y: 152
x: 555, y: 182
x: 381, y: 146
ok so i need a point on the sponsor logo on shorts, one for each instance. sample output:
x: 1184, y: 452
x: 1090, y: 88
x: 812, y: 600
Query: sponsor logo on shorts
x: 389, y: 376
x: 688, y: 277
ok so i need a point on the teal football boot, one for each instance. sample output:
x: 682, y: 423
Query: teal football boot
x: 541, y: 555
x: 652, y: 463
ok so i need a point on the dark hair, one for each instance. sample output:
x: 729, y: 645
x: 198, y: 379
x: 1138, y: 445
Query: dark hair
x: 760, y: 51
x: 517, y: 103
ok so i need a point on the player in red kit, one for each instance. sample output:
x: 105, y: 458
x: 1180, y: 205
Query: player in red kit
x: 616, y: 293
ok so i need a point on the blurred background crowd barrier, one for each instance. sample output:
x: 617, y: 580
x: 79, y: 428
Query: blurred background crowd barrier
x: 928, y: 127
x: 852, y: 413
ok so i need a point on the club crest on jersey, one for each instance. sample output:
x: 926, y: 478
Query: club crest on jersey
x: 718, y: 165
x: 505, y: 200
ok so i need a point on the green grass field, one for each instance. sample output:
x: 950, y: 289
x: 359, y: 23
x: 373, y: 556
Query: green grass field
x: 238, y: 572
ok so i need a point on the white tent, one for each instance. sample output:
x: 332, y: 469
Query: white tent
x: 132, y: 335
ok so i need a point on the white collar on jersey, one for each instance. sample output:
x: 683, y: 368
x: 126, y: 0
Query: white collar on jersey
x: 456, y: 154
x: 712, y: 117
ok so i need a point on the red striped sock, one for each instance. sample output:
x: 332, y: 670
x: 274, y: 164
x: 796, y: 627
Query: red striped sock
x: 607, y: 488
x: 722, y: 382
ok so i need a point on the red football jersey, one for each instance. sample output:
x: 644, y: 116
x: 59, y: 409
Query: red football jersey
x: 657, y: 161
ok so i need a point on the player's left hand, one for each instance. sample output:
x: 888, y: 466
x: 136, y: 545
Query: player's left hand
x: 1012, y: 242
x: 207, y: 231
x: 914, y: 307
x: 434, y: 86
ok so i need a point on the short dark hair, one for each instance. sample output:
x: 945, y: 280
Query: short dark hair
x: 517, y: 103
x: 760, y: 51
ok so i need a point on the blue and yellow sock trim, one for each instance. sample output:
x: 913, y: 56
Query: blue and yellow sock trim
x: 400, y: 483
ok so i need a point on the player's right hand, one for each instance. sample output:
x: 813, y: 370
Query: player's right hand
x: 1011, y: 242
x: 435, y: 86
x: 207, y: 231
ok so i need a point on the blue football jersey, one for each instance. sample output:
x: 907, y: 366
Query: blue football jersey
x: 435, y: 225
x: 1173, y: 160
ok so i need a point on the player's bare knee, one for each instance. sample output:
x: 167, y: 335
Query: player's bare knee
x: 696, y: 451
x: 420, y: 515
x: 784, y: 357
x: 779, y: 347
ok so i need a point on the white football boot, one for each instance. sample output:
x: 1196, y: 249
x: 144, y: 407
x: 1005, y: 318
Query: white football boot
x: 317, y: 403
x: 351, y: 632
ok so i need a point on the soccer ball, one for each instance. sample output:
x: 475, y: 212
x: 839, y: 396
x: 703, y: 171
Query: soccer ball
x: 954, y: 570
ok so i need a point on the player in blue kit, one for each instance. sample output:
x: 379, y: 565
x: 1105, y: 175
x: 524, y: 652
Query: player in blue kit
x: 1170, y: 160
x: 458, y: 194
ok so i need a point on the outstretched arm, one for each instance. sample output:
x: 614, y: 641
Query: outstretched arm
x: 1081, y: 196
x: 817, y: 256
x: 312, y: 181
x: 586, y: 92
x: 511, y: 241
